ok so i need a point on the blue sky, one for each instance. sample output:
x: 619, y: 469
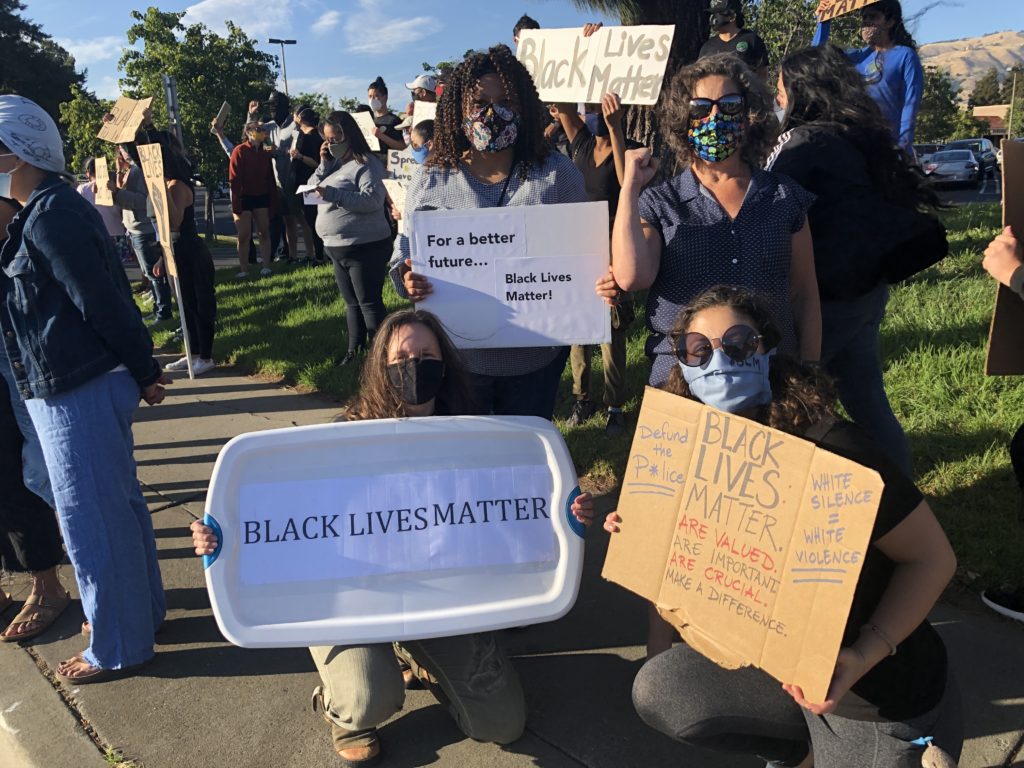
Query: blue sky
x: 344, y: 44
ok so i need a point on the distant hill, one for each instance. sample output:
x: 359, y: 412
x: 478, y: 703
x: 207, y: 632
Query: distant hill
x: 968, y: 59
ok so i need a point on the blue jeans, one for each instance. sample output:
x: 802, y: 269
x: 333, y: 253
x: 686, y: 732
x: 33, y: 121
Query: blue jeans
x: 850, y: 353
x: 86, y: 435
x: 528, y: 394
x: 148, y: 252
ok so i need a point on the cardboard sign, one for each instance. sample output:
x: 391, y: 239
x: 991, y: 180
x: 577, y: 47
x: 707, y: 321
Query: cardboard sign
x: 401, y: 164
x: 103, y: 195
x: 830, y: 9
x: 423, y: 110
x: 128, y: 116
x: 515, y: 276
x: 222, y: 115
x: 749, y: 540
x: 396, y: 191
x: 365, y: 122
x: 326, y: 540
x: 153, y: 169
x: 568, y: 67
x: 1006, y: 333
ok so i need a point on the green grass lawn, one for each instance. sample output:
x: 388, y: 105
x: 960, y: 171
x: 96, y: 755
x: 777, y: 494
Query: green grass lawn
x: 291, y: 326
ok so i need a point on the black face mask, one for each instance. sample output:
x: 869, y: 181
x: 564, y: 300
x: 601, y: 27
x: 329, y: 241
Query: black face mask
x: 417, y: 379
x: 719, y: 20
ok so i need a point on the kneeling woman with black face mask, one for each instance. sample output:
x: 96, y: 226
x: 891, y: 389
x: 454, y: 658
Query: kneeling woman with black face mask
x: 413, y: 370
x: 891, y: 691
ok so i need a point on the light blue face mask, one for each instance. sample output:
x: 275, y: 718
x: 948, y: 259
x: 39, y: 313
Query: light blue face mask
x: 5, y: 178
x: 728, y: 385
x: 419, y: 154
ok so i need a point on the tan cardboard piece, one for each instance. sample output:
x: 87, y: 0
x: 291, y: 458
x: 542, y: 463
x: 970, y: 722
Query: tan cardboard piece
x: 128, y: 116
x: 153, y: 170
x: 222, y: 115
x: 103, y: 195
x: 830, y: 9
x: 1006, y: 333
x: 749, y: 540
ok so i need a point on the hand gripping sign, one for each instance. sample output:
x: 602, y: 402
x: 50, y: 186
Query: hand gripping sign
x: 391, y: 530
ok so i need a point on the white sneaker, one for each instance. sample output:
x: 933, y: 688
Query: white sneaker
x: 266, y: 271
x: 180, y: 365
x: 200, y: 366
x: 242, y: 275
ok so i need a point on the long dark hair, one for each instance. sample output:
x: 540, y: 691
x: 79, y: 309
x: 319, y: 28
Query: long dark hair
x: 377, y: 399
x: 177, y: 166
x: 825, y: 92
x: 761, y: 126
x: 893, y: 11
x: 450, y: 142
x: 344, y: 122
x: 801, y: 396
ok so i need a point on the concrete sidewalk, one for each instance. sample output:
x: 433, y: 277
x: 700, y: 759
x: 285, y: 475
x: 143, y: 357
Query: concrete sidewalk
x: 203, y: 702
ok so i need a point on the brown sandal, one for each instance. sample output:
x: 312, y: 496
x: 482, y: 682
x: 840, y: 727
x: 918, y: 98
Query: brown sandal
x: 96, y: 674
x: 41, y: 610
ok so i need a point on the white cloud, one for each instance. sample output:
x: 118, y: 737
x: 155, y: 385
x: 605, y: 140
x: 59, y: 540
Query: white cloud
x: 334, y: 87
x: 374, y: 31
x: 107, y: 88
x: 92, y: 50
x: 326, y: 22
x: 257, y: 19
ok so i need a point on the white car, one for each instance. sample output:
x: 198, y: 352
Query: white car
x: 953, y: 166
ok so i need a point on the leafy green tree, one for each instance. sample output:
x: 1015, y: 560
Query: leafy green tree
x: 986, y: 90
x: 320, y: 103
x: 348, y: 104
x: 966, y: 126
x: 208, y: 69
x: 31, y: 63
x: 80, y: 117
x: 1015, y: 115
x: 788, y: 25
x: 1006, y: 92
x: 940, y: 112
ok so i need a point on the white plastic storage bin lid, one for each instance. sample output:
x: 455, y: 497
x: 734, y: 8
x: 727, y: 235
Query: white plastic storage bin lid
x: 394, y: 529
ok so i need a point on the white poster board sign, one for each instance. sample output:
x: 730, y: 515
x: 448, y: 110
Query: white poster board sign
x: 401, y: 164
x: 365, y: 122
x: 396, y: 191
x: 326, y: 539
x: 423, y: 110
x: 568, y: 67
x: 515, y: 276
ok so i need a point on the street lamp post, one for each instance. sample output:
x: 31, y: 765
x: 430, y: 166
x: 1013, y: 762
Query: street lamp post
x: 284, y: 68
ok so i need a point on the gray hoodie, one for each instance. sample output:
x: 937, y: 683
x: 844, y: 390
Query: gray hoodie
x: 136, y: 212
x: 352, y: 211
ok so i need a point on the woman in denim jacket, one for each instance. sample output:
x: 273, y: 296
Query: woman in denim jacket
x: 81, y: 358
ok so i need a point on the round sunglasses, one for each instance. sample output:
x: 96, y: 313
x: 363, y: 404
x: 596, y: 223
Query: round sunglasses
x: 731, y: 104
x: 740, y: 343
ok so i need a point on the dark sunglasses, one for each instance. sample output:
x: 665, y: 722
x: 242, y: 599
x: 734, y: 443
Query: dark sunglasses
x: 731, y: 104
x: 739, y: 342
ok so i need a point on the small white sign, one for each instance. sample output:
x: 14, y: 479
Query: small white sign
x: 401, y: 164
x: 309, y: 194
x: 423, y: 110
x: 515, y: 277
x: 365, y: 122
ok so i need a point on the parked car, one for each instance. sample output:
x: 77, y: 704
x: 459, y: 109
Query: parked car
x: 924, y: 152
x: 956, y: 166
x: 983, y: 149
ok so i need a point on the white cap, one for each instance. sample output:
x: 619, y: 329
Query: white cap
x: 427, y: 82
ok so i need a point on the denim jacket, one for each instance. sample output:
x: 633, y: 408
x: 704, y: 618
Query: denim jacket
x: 65, y: 304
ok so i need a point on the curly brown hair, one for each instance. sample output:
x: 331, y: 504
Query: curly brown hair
x: 801, y: 396
x: 450, y: 142
x: 377, y: 399
x: 762, y: 127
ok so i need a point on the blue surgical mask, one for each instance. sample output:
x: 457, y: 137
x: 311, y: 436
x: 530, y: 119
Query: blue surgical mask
x: 728, y: 385
x: 5, y: 178
x: 596, y: 124
x: 419, y: 154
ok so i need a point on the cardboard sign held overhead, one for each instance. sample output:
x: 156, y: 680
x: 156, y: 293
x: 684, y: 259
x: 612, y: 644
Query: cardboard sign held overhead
x: 830, y: 9
x: 749, y: 540
x: 1006, y: 333
x: 222, y: 115
x: 103, y: 195
x: 365, y: 122
x: 153, y: 169
x: 568, y: 67
x: 128, y: 117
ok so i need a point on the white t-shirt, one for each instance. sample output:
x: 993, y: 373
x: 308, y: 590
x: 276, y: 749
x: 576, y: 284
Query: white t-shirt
x: 111, y: 214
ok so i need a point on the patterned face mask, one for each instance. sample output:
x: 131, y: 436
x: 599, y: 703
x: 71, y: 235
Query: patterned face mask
x: 491, y: 128
x: 715, y: 137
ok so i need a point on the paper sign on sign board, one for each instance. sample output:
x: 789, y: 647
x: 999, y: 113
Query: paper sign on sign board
x: 128, y: 116
x: 326, y: 539
x: 1005, y: 346
x: 103, y: 195
x: 401, y: 164
x: 748, y: 539
x: 423, y: 110
x: 830, y: 9
x: 566, y: 66
x: 516, y: 276
x: 369, y: 129
x: 153, y: 169
x: 396, y: 191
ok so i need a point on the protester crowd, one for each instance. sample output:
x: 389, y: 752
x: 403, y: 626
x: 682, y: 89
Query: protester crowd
x: 762, y: 258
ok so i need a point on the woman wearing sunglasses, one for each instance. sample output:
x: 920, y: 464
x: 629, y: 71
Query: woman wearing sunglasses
x: 720, y: 221
x: 891, y: 686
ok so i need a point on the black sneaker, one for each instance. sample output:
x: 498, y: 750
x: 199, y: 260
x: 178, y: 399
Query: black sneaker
x: 1006, y: 602
x: 582, y: 410
x: 616, y: 424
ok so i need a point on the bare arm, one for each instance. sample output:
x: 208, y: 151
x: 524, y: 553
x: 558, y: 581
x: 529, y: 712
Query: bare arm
x: 570, y: 120
x: 611, y: 107
x: 803, y: 295
x: 636, y: 245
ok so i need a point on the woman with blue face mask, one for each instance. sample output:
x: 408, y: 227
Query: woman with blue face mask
x: 421, y: 139
x: 891, y: 687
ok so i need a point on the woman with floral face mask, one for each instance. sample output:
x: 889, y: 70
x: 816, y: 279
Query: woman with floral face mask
x: 720, y: 221
x: 891, y: 691
x: 489, y: 151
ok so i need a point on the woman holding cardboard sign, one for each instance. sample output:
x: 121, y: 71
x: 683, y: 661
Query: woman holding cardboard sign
x: 413, y: 370
x: 891, y: 691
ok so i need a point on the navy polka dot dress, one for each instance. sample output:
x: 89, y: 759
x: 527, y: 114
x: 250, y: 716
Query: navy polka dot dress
x: 704, y: 247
